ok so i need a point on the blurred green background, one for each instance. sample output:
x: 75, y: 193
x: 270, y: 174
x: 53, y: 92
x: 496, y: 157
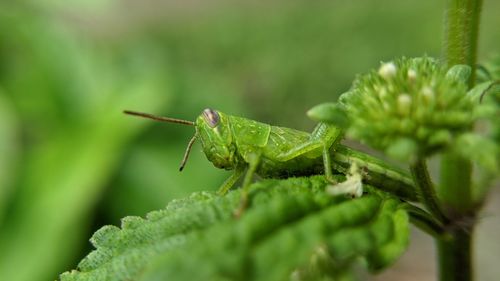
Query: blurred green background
x: 70, y: 161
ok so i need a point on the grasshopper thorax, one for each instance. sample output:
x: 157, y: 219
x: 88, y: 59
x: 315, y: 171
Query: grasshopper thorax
x: 214, y: 131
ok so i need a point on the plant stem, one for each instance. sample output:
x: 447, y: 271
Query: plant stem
x: 426, y: 191
x: 455, y: 259
x: 426, y: 222
x: 461, y: 32
x: 461, y: 36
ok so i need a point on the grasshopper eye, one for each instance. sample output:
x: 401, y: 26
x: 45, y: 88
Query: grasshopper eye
x: 211, y: 117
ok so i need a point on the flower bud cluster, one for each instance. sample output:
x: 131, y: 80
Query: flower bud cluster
x: 408, y: 107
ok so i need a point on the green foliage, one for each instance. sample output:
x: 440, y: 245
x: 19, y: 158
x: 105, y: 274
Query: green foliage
x: 490, y: 71
x: 62, y: 136
x: 9, y: 149
x: 292, y: 227
x: 489, y: 93
x: 485, y: 149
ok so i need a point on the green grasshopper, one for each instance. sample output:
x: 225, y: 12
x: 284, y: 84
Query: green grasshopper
x: 240, y: 144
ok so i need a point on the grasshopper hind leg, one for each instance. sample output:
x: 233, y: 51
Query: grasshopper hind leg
x: 321, y: 139
x: 327, y: 163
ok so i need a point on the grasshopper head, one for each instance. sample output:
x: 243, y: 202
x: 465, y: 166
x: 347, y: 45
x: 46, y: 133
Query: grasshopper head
x: 213, y: 129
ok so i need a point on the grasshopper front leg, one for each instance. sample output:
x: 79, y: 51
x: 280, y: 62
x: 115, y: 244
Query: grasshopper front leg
x: 253, y: 162
x: 226, y: 186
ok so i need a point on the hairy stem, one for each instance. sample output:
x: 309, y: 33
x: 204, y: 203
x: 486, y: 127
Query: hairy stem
x: 461, y: 36
x: 461, y: 32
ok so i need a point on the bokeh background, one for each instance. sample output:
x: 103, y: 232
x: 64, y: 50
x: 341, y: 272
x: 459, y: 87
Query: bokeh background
x: 70, y: 161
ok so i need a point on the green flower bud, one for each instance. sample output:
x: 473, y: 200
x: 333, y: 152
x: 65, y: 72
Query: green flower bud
x: 409, y: 107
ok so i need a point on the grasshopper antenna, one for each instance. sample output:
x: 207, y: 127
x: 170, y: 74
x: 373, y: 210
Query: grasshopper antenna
x: 169, y: 120
x: 186, y: 154
x: 159, y: 118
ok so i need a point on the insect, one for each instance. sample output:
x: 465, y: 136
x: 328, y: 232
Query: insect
x: 244, y: 145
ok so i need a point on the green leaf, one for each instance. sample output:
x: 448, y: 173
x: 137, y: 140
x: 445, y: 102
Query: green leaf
x: 480, y: 150
x: 291, y: 227
x: 486, y: 88
x: 391, y: 251
x: 459, y: 72
x: 330, y: 113
x: 489, y: 70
